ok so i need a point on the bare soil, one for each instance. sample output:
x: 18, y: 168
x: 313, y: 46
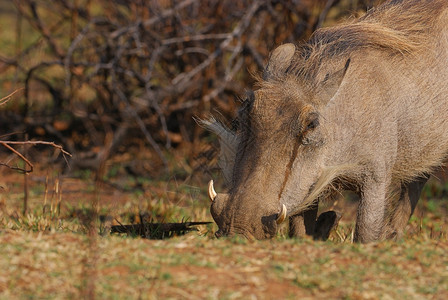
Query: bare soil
x: 56, y: 258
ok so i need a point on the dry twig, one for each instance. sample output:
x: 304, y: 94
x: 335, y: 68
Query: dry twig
x: 7, y: 144
x: 5, y: 100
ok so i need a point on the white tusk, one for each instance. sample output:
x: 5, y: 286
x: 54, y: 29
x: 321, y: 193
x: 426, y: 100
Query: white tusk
x: 282, y: 215
x: 211, y: 191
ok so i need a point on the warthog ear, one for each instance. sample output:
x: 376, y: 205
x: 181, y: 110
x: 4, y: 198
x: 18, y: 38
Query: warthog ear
x: 279, y: 60
x: 330, y: 85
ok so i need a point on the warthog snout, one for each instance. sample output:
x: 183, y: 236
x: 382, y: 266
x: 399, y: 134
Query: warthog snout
x: 245, y: 227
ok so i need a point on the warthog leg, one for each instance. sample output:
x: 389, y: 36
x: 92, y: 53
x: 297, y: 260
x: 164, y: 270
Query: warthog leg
x: 404, y: 208
x: 304, y: 223
x: 370, y: 219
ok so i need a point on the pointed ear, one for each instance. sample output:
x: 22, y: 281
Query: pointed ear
x: 330, y: 85
x: 279, y: 61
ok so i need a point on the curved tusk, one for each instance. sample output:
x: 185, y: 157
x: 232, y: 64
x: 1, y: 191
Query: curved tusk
x: 281, y: 215
x: 211, y: 191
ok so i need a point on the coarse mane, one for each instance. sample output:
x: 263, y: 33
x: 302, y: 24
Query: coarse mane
x: 397, y: 27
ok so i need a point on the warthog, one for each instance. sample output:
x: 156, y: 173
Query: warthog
x: 361, y: 106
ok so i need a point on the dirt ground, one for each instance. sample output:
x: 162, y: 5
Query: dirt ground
x: 66, y: 265
x: 56, y: 258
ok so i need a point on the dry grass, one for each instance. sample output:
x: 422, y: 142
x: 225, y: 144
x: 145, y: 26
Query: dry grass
x: 49, y: 254
x: 53, y: 265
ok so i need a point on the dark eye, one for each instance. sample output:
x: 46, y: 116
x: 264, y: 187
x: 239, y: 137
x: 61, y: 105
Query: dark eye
x: 313, y: 124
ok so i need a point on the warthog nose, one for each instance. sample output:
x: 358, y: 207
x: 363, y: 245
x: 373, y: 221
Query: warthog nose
x: 218, y: 234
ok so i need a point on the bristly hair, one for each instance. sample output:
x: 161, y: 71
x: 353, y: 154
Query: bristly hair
x: 397, y: 27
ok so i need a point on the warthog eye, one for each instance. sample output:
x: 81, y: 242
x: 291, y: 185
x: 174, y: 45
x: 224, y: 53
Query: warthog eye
x: 313, y: 124
x: 308, y: 135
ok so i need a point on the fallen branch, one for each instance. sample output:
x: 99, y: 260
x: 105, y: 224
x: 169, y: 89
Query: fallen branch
x: 157, y: 230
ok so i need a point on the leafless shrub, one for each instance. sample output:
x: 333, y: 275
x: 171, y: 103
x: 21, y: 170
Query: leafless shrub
x: 117, y: 70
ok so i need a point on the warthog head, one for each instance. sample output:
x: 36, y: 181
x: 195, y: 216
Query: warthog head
x: 279, y: 148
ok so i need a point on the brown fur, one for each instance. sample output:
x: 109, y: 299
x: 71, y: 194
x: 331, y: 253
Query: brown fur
x: 362, y: 105
x: 398, y: 28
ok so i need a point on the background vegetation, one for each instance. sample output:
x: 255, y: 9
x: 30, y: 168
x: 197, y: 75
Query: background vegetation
x: 117, y: 84
x: 106, y: 77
